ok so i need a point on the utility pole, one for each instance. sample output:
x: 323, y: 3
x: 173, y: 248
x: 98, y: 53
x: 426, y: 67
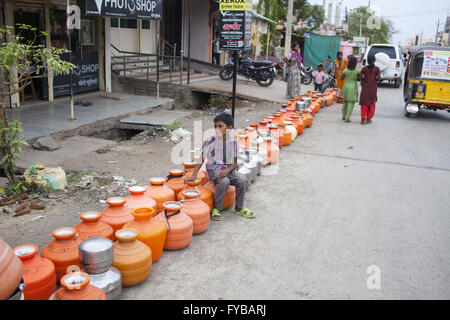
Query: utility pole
x: 360, y: 26
x: 287, y: 40
x: 437, y: 31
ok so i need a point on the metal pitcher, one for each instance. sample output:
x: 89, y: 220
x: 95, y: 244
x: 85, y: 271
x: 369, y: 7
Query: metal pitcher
x: 96, y: 255
x: 110, y: 282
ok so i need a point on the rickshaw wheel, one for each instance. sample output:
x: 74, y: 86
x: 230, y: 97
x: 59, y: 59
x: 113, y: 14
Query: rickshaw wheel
x: 407, y: 114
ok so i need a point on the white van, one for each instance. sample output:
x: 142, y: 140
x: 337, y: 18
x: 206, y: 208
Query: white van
x: 389, y: 60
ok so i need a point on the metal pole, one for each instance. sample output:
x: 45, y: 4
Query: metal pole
x: 268, y: 40
x: 437, y: 31
x: 157, y: 59
x: 72, y: 116
x: 183, y: 11
x: 235, y: 68
x: 189, y: 44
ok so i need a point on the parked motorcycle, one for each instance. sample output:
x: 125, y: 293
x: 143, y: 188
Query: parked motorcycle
x: 329, y: 81
x: 263, y: 72
x: 306, y: 74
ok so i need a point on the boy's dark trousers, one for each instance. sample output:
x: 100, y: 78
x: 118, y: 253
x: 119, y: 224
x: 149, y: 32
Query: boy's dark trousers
x: 235, y: 179
x: 317, y: 86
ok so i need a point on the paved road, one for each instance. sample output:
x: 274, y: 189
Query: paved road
x: 346, y: 197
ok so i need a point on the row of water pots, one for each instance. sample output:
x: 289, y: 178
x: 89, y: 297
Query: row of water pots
x: 141, y: 236
x: 260, y: 143
x: 117, y: 246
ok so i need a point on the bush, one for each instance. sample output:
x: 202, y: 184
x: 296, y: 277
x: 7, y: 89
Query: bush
x: 219, y: 101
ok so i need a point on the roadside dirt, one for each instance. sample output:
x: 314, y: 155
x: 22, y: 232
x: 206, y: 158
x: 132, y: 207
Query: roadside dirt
x: 131, y: 159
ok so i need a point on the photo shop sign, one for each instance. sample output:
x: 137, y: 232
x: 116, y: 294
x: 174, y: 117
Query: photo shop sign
x: 235, y: 25
x: 139, y: 9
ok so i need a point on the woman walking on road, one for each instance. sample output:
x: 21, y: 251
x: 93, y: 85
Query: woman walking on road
x: 339, y: 66
x: 293, y: 60
x: 350, y: 89
x: 370, y: 75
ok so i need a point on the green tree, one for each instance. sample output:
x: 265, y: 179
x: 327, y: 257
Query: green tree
x: 30, y: 60
x: 276, y: 10
x: 383, y: 34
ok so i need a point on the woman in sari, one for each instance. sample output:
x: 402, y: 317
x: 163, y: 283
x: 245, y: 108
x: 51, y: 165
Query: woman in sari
x: 293, y: 61
x: 339, y: 66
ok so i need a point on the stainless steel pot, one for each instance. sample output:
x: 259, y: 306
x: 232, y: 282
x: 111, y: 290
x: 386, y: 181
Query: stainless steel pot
x: 110, y: 282
x: 246, y: 172
x: 254, y: 156
x: 96, y: 255
x: 307, y: 102
x: 253, y: 167
x: 300, y: 105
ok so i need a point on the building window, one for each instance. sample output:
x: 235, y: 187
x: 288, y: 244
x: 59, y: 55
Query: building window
x: 128, y: 23
x: 114, y: 22
x: 145, y: 24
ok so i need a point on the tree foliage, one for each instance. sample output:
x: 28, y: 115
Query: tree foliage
x: 276, y: 10
x: 383, y: 34
x: 22, y: 60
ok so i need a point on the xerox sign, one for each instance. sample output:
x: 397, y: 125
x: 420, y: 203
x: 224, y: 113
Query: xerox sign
x: 141, y: 9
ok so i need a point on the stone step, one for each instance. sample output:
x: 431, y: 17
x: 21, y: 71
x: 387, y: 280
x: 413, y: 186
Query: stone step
x: 156, y: 118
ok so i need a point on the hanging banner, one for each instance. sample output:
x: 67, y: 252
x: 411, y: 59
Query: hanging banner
x: 235, y: 25
x: 138, y: 9
x: 436, y: 65
x: 236, y: 5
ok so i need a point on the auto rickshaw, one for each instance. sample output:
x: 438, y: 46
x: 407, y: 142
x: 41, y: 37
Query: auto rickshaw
x: 427, y: 79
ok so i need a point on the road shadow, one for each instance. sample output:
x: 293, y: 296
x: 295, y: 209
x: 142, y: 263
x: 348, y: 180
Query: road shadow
x: 388, y: 85
x: 430, y: 115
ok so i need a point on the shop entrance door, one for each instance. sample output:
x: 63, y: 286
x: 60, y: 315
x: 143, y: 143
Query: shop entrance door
x: 33, y: 17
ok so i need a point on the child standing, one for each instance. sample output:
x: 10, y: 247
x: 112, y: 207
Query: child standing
x: 221, y: 153
x: 318, y: 77
x: 350, y: 89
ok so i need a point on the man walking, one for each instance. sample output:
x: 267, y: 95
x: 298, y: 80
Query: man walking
x: 216, y: 51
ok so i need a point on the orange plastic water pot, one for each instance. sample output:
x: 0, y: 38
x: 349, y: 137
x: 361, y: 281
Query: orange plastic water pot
x: 180, y: 226
x: 75, y: 286
x: 116, y: 214
x: 177, y: 182
x: 263, y: 126
x: 131, y: 257
x: 11, y: 269
x: 251, y: 132
x: 287, y: 135
x: 298, y: 123
x: 309, y: 118
x: 244, y: 141
x: 230, y: 195
x: 137, y: 198
x: 197, y: 209
x: 189, y: 168
x: 92, y: 227
x: 277, y: 135
x: 38, y: 273
x: 63, y: 251
x: 151, y: 231
x: 160, y: 192
x: 269, y: 152
x: 205, y: 194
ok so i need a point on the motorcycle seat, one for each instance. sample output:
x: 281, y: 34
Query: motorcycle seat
x: 263, y: 63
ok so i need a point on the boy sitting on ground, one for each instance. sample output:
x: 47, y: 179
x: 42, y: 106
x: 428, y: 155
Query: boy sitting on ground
x: 221, y: 153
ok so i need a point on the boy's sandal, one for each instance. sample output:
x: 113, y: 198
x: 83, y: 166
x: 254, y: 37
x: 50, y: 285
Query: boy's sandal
x: 245, y: 212
x: 215, y: 214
